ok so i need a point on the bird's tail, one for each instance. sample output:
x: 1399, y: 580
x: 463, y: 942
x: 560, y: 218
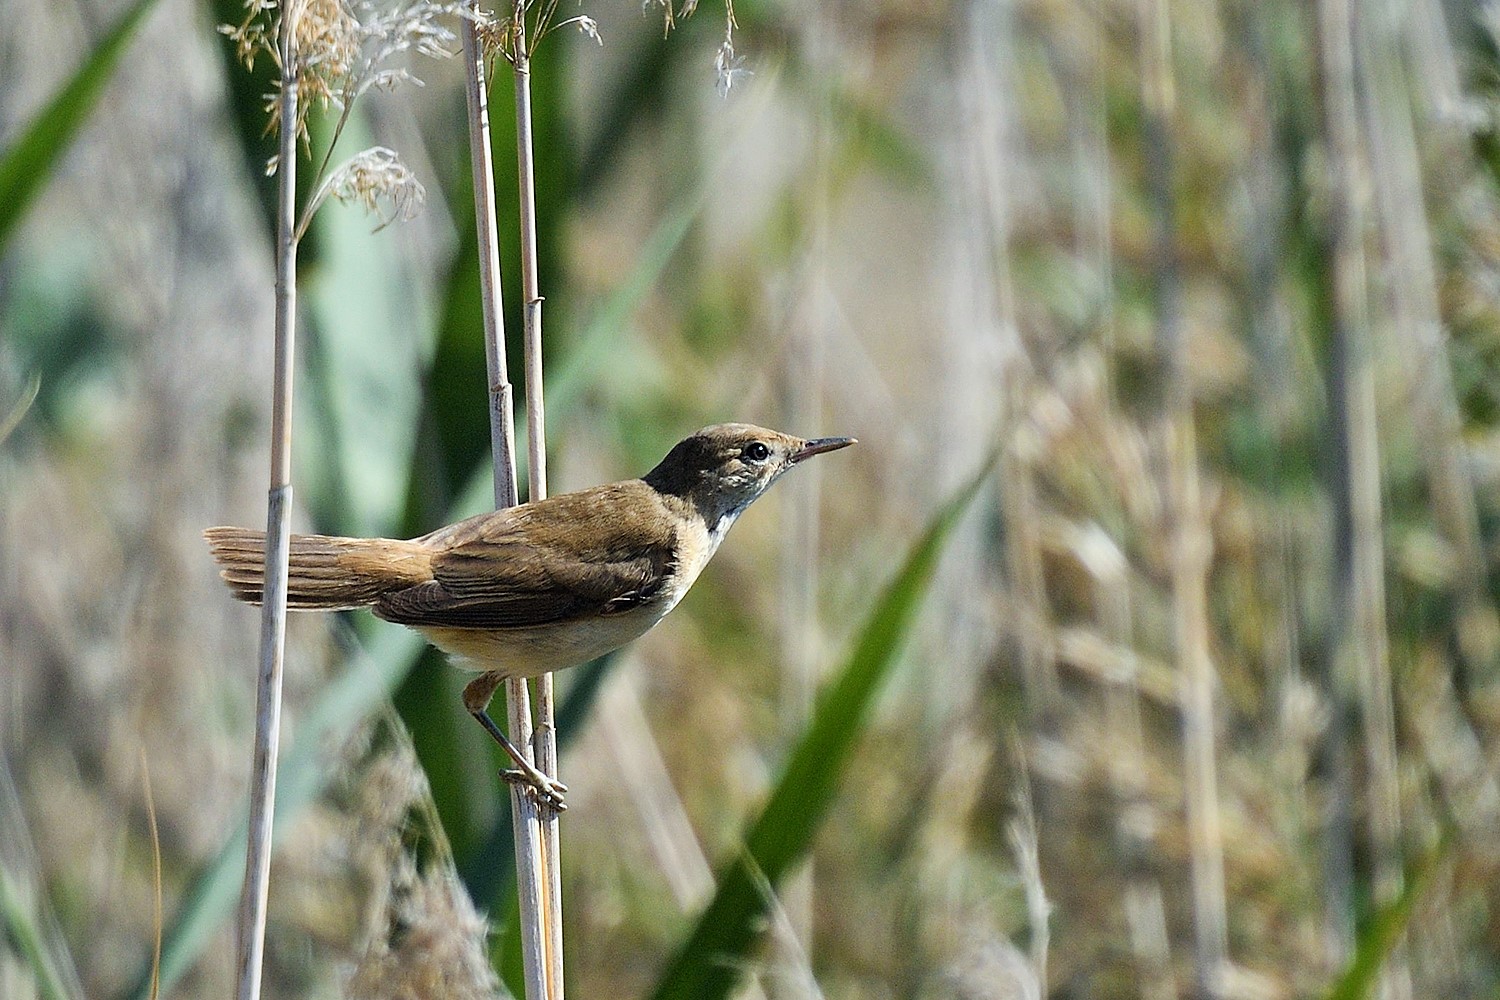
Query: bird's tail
x: 324, y: 573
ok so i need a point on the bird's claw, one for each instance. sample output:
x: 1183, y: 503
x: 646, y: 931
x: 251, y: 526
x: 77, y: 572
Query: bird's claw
x: 544, y: 790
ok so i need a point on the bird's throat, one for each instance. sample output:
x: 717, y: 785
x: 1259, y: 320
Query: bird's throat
x: 719, y: 528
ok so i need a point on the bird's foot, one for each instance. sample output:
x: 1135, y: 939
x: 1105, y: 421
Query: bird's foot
x: 548, y: 792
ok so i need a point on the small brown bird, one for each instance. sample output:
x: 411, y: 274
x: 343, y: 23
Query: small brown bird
x: 541, y: 586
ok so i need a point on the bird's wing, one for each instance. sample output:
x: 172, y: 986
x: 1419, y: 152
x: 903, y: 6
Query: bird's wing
x: 572, y: 557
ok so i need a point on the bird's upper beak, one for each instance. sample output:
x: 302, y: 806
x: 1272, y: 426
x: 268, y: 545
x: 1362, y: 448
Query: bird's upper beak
x: 818, y: 446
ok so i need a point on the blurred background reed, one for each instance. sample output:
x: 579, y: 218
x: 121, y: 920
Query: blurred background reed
x: 1203, y: 700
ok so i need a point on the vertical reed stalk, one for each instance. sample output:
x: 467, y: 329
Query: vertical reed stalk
x: 799, y: 620
x: 802, y: 407
x: 1361, y: 660
x: 545, y: 737
x: 502, y: 421
x: 531, y: 886
x: 1420, y: 338
x: 1348, y: 186
x: 253, y: 898
x: 1190, y: 538
x: 1136, y: 822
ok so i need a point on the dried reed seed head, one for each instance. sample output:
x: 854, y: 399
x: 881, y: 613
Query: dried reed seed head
x: 1304, y: 712
x: 339, y: 49
x: 255, y: 34
x: 497, y: 35
x: 728, y: 67
x: 587, y: 25
x: 389, y: 785
x: 669, y: 11
x: 326, y: 39
x: 428, y: 941
x: 989, y: 966
x: 376, y: 178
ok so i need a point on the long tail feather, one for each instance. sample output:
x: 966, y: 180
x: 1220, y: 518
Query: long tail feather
x: 325, y: 573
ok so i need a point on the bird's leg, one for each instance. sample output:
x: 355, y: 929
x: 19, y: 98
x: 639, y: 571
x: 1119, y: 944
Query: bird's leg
x: 477, y: 695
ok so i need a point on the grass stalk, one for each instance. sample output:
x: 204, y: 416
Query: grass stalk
x: 668, y: 831
x: 252, y: 928
x: 545, y: 736
x: 1190, y: 536
x: 802, y: 405
x: 987, y: 83
x: 800, y: 633
x: 502, y: 419
x: 1135, y: 820
x: 1421, y: 339
x: 1361, y: 655
x: 531, y: 885
x: 157, y: 920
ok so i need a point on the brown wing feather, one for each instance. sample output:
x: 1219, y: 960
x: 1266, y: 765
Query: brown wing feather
x: 599, y: 551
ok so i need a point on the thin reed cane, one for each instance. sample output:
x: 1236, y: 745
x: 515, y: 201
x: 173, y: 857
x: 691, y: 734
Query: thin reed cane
x: 253, y: 898
x: 545, y: 737
x: 1191, y: 540
x: 1361, y: 662
x: 531, y: 885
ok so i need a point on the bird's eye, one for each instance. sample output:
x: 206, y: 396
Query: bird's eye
x: 756, y: 451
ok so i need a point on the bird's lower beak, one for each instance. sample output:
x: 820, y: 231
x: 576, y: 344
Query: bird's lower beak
x: 818, y: 446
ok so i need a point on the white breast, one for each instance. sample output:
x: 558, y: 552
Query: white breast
x: 530, y: 651
x: 695, y: 547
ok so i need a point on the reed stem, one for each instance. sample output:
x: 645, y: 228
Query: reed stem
x: 1191, y: 539
x: 1361, y: 658
x: 253, y: 898
x: 530, y: 850
x: 545, y: 736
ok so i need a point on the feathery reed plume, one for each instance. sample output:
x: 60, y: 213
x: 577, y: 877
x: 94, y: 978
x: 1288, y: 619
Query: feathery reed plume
x: 422, y: 935
x: 728, y: 67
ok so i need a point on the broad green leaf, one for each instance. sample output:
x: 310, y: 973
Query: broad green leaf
x: 708, y: 964
x: 368, y: 331
x: 28, y: 162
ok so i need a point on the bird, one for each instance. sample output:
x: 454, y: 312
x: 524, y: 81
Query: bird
x: 540, y: 586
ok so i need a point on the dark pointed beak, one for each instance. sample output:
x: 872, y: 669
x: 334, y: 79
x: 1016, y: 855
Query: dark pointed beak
x: 818, y: 446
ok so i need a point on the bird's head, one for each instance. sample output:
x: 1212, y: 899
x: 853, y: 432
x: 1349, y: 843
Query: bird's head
x: 722, y: 469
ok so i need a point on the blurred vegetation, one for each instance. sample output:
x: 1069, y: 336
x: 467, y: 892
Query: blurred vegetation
x: 1204, y: 698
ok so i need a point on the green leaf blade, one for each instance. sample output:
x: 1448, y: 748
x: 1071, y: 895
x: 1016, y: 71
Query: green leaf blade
x: 28, y: 163
x: 1386, y: 927
x: 708, y: 964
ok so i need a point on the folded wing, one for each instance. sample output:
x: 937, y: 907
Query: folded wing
x: 582, y: 555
